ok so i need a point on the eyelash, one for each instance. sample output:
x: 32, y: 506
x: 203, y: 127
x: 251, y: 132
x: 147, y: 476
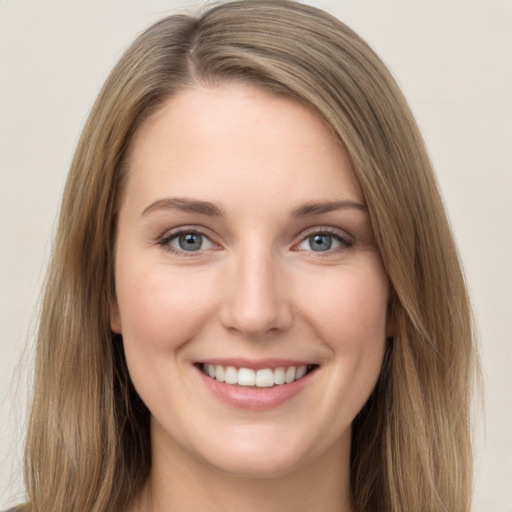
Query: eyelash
x: 166, y: 240
x: 345, y: 242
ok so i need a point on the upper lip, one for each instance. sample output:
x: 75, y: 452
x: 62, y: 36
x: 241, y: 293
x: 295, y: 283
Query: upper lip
x: 255, y: 364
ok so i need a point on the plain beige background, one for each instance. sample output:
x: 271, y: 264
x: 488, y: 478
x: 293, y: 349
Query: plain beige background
x: 453, y: 60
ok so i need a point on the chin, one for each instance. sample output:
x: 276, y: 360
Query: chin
x: 258, y: 465
x: 267, y: 453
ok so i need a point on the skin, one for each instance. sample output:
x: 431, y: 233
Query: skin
x: 256, y: 289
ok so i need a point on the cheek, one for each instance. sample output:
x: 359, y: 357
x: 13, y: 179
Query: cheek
x: 349, y: 313
x: 160, y: 314
x: 158, y: 309
x: 349, y: 308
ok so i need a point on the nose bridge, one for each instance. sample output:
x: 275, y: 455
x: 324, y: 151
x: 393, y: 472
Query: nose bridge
x: 254, y: 301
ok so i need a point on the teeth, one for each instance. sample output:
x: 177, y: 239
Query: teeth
x: 246, y: 377
x: 219, y: 373
x: 279, y: 376
x: 289, y: 375
x: 301, y: 371
x: 231, y: 375
x: 263, y: 378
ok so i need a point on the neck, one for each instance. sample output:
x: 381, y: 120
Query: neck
x: 179, y: 483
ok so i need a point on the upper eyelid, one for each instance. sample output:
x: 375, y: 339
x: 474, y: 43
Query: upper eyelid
x: 171, y: 233
x: 342, y: 233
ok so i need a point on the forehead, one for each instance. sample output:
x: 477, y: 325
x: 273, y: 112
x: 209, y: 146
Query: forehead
x: 219, y: 141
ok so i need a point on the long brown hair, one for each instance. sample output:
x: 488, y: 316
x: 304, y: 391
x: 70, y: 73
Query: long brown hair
x: 88, y: 445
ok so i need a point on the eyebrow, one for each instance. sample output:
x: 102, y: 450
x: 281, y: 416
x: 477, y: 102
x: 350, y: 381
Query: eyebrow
x: 212, y: 210
x: 185, y: 205
x: 325, y: 207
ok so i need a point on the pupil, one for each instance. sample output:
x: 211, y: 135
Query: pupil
x: 190, y: 242
x: 321, y: 242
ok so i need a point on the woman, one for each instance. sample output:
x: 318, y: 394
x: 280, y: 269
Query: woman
x: 254, y: 299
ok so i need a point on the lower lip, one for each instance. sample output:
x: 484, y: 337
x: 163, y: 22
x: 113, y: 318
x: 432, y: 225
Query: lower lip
x: 256, y: 399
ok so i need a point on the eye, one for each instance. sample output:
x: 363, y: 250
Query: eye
x: 187, y: 241
x: 322, y: 242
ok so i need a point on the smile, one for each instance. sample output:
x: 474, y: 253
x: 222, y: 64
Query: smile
x: 262, y: 378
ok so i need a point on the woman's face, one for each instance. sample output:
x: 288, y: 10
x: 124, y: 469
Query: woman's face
x: 244, y: 258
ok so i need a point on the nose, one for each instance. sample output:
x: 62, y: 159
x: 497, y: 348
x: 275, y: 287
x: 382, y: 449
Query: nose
x: 254, y: 296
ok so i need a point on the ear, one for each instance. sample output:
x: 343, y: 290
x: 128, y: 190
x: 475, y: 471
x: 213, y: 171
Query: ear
x: 115, y: 317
